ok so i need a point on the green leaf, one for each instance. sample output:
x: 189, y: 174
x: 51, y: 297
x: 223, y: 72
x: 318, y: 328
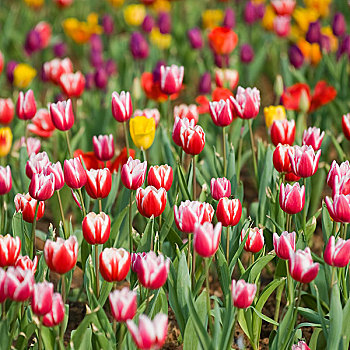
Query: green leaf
x: 264, y: 317
x: 147, y: 237
x: 113, y: 238
x: 182, y: 183
x: 114, y: 191
x: 183, y: 284
x: 252, y: 272
x: 346, y: 322
x: 335, y: 319
x: 223, y: 271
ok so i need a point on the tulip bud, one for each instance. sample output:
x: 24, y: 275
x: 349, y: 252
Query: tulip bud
x: 171, y: 79
x: 27, y: 205
x: 59, y: 49
x: 313, y: 137
x: 255, y: 240
x: 32, y: 144
x: 249, y: 13
x: 204, y: 85
x: 121, y: 106
x: 19, y: 284
x: 123, y: 304
x: 96, y: 228
x: 304, y: 102
x: 56, y: 315
x: 62, y: 115
x: 300, y: 346
x: 247, y: 102
x: 303, y: 160
x: 281, y: 160
x: 292, y: 198
x: 42, y: 186
x: 339, y: 24
x: 189, y: 112
x: 37, y: 163
x: 138, y: 46
x: 229, y: 211
x: 101, y: 78
x: 243, y: 293
x: 195, y: 38
x: 103, y: 147
x: 229, y: 19
x: 108, y: 24
x: 283, y: 131
x: 150, y: 201
x: 339, y: 210
x: 340, y: 171
x: 246, y: 53
x: 114, y: 264
x: 10, y: 248
x: 164, y: 23
x: 160, y: 176
x: 226, y: 77
x: 283, y: 7
x: 296, y: 57
x: 149, y: 113
x: 178, y: 124
x: 33, y: 42
x: 26, y: 105
x: 133, y: 173
x: 192, y: 139
x: 221, y: 112
x: 148, y: 23
x: 99, y: 183
x: 74, y: 173
x: 6, y: 180
x: 61, y: 256
x: 337, y: 254
x: 301, y: 266
x: 7, y: 110
x: 346, y: 125
x: 42, y: 298
x: 206, y: 238
x: 281, y: 25
x: 72, y: 84
x: 26, y: 263
x: 284, y: 244
x: 313, y: 34
x: 220, y: 188
x: 56, y: 170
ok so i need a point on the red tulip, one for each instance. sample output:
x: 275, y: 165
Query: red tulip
x: 283, y: 131
x: 150, y: 201
x: 179, y: 123
x: 26, y: 105
x: 346, y: 125
x: 32, y: 145
x: 99, y: 183
x: 96, y: 228
x: 42, y: 298
x: 41, y: 125
x: 135, y: 260
x: 19, y: 284
x: 222, y: 40
x: 114, y: 264
x: 5, y: 180
x: 72, y: 84
x: 103, y: 147
x: 61, y: 256
x: 313, y: 137
x: 123, y: 304
x: 171, y: 79
x: 62, y: 115
x: 3, y: 276
x: 221, y: 112
x: 290, y: 177
x: 1, y: 62
x: 220, y: 188
x: 281, y: 159
x: 42, y: 186
x: 26, y: 263
x: 284, y: 244
x: 121, y: 106
x: 10, y: 248
x: 229, y: 211
x: 57, y: 67
x: 37, y: 163
x: 339, y: 210
x: 243, y: 293
x: 160, y: 176
x: 247, y: 102
x: 292, y: 198
x: 7, y: 111
x: 338, y: 178
x: 337, y: 254
x: 206, y: 238
x: 27, y: 205
x: 189, y: 112
x: 303, y: 160
x: 56, y: 315
x: 44, y: 30
x: 74, y: 173
x: 133, y: 173
x: 301, y: 266
x: 56, y: 170
x: 192, y: 139
x: 255, y: 240
x: 283, y: 7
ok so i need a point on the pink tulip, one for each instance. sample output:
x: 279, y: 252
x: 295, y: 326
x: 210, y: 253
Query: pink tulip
x: 300, y: 346
x: 103, y: 147
x: 247, y: 102
x: 5, y: 180
x: 136, y: 259
x: 3, y: 294
x: 192, y: 139
x: 220, y: 188
x: 36, y: 163
x: 72, y: 84
x: 42, y: 298
x: 149, y: 113
x: 206, y: 238
x: 26, y: 263
x: 283, y: 7
x: 56, y: 315
x: 339, y: 210
x: 150, y: 201
x: 243, y: 293
x: 337, y: 254
x: 19, y: 284
x: 171, y: 79
x: 32, y: 145
x: 62, y: 115
x: 303, y: 160
x: 284, y: 244
x: 341, y: 171
x: 226, y: 77
x: 123, y: 304
x: 26, y: 105
x: 114, y: 264
x: 56, y: 170
x: 292, y: 198
x: 281, y: 25
x: 74, y: 173
x: 121, y: 106
x: 313, y: 137
x: 221, y: 112
x: 42, y: 186
x: 160, y: 176
x: 133, y: 173
x: 189, y: 112
x: 301, y: 266
x: 255, y: 240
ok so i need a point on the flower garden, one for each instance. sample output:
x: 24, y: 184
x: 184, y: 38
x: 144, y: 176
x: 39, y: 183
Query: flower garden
x: 174, y: 174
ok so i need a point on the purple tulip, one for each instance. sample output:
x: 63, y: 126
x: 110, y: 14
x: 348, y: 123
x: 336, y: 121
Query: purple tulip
x: 156, y: 70
x: 247, y: 53
x: 230, y: 18
x: 195, y: 38
x: 164, y: 23
x: 60, y: 49
x: 339, y: 24
x: 111, y: 67
x: 138, y: 46
x: 205, y: 84
x: 313, y: 34
x: 89, y: 81
x: 108, y: 24
x: 344, y: 47
x: 148, y: 24
x: 96, y: 58
x: 249, y: 13
x: 96, y: 43
x: 11, y: 65
x: 296, y: 57
x: 221, y: 61
x: 33, y: 42
x: 101, y: 78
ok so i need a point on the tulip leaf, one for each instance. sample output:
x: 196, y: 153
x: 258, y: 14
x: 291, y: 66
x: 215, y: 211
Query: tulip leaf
x: 182, y: 183
x: 264, y: 317
x: 167, y: 223
x: 104, y: 292
x: 327, y: 223
x: 320, y: 312
x: 48, y: 338
x: 113, y: 238
x: 283, y: 330
x: 346, y: 323
x: 223, y: 272
x: 335, y: 319
x: 255, y: 269
x: 167, y: 148
x: 113, y: 193
x: 183, y: 284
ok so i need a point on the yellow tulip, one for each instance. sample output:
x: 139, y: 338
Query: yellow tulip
x: 5, y: 141
x: 162, y: 41
x: 142, y: 131
x: 268, y: 18
x: 23, y: 75
x: 34, y: 3
x: 161, y: 6
x: 273, y: 113
x: 116, y: 3
x: 212, y: 18
x: 134, y: 14
x: 320, y: 6
x: 304, y: 17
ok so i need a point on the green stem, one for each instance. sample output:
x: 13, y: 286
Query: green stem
x: 194, y: 176
x: 278, y: 303
x: 33, y: 229
x: 82, y: 201
x: 121, y: 335
x: 130, y: 223
x: 228, y: 244
x: 126, y: 139
x: 304, y: 211
x: 206, y: 261
x: 334, y: 229
x: 239, y: 156
x: 194, y: 268
x: 68, y: 144
x: 224, y: 150
x: 288, y: 222
x: 63, y: 293
x: 345, y: 287
x: 100, y: 205
x: 169, y: 114
x: 253, y: 148
x: 2, y: 201
x: 290, y: 285
x: 62, y: 214
x: 96, y: 272
x: 333, y: 275
x: 147, y: 300
x: 189, y: 251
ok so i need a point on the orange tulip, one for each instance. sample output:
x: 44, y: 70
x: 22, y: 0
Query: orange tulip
x: 222, y: 40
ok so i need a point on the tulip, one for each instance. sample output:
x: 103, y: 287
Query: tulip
x: 243, y: 293
x: 7, y: 110
x: 283, y: 131
x: 292, y: 198
x: 178, y: 124
x: 74, y: 173
x: 32, y: 145
x: 103, y: 147
x: 153, y: 270
x: 192, y: 139
x: 26, y: 105
x: 206, y: 238
x: 32, y: 42
x: 150, y: 201
x: 42, y: 186
x: 42, y: 125
x: 195, y: 38
x: 96, y: 228
x: 189, y: 213
x: 171, y: 79
x: 148, y: 24
x: 99, y: 183
x: 220, y: 188
x: 313, y: 34
x: 59, y: 49
x: 300, y: 346
x: 339, y: 210
x: 114, y: 264
x: 246, y: 103
x: 62, y: 115
x: 3, y: 294
x: 36, y: 164
x: 204, y: 85
x: 301, y: 266
x: 340, y: 171
x: 164, y: 22
x: 246, y: 53
x: 19, y: 284
x: 283, y: 7
x: 108, y: 24
x: 138, y: 46
x: 281, y: 159
x: 226, y: 77
x: 10, y: 248
x: 339, y: 24
x: 221, y: 112
x: 249, y: 13
x: 313, y: 137
x: 281, y: 26
x: 142, y: 131
x: 284, y: 244
x: 72, y: 84
x: 149, y: 334
x: 189, y: 112
x: 5, y: 141
x: 255, y: 240
x: 133, y: 173
x: 44, y: 30
x: 337, y: 254
x: 303, y: 160
x: 346, y: 125
x: 149, y: 113
x: 160, y: 176
x: 61, y: 256
x: 296, y: 57
x: 55, y: 68
x: 121, y: 106
x: 229, y: 19
x: 56, y: 170
x: 27, y: 205
x: 1, y: 62
x: 123, y: 304
x: 42, y: 298
x: 26, y: 263
x: 56, y: 315
x: 229, y: 211
x: 5, y: 180
x: 222, y: 40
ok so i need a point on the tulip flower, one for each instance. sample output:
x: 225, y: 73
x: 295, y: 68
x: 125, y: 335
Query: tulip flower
x: 338, y: 24
x: 19, y: 284
x: 99, y: 183
x: 160, y: 176
x: 195, y: 38
x: 313, y: 35
x: 150, y: 201
x: 221, y: 112
x: 5, y: 141
x: 338, y: 177
x: 313, y: 137
x: 42, y: 298
x: 26, y: 263
x: 300, y: 346
x: 281, y: 25
x: 292, y: 198
x: 42, y: 125
x: 5, y: 180
x: 189, y: 213
x: 26, y: 105
x: 229, y: 211
x: 72, y: 84
x: 32, y: 145
x: 62, y: 115
x: 153, y: 270
x: 204, y: 86
x: 243, y: 293
x: 1, y: 62
x: 339, y: 210
x: 96, y: 228
x: 74, y: 173
x: 25, y: 204
x: 281, y: 159
x: 138, y: 46
x: 222, y: 40
x: 37, y: 163
x: 255, y: 240
x: 179, y: 123
x: 246, y: 103
x: 246, y: 53
x: 206, y: 238
x: 56, y: 170
x: 303, y: 160
x: 149, y: 113
x: 171, y: 79
x: 283, y: 131
x: 337, y: 254
x: 42, y: 186
x: 346, y: 125
x: 192, y: 139
x: 301, y: 266
x: 148, y: 24
x: 284, y: 244
x: 154, y: 337
x: 61, y: 256
x: 10, y: 248
x: 103, y: 147
x: 54, y: 69
x: 121, y: 106
x: 220, y: 188
x: 114, y: 264
x: 3, y: 293
x: 142, y: 131
x: 226, y: 77
x: 296, y: 57
x: 7, y: 110
x: 133, y: 173
x: 186, y: 111
x: 56, y: 315
x: 283, y: 7
x: 123, y: 304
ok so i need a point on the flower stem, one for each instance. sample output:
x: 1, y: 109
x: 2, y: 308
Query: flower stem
x: 96, y: 272
x: 189, y: 252
x: 126, y: 139
x: 194, y: 176
x: 290, y: 285
x: 228, y: 245
x: 206, y: 261
x: 33, y: 228
x: 40, y: 341
x: 240, y: 146
x: 100, y: 205
x: 62, y: 214
x: 82, y: 201
x: 224, y: 150
x: 304, y: 211
x: 130, y: 223
x: 288, y: 222
x: 121, y: 335
x: 278, y: 303
x: 253, y: 148
x: 68, y: 144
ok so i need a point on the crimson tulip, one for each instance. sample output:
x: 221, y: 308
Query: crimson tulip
x: 179, y: 123
x: 42, y: 186
x: 337, y: 254
x: 121, y: 106
x: 281, y: 159
x: 56, y: 315
x: 283, y: 131
x: 133, y: 173
x: 150, y: 201
x: 42, y: 298
x: 62, y: 115
x: 99, y: 183
x: 114, y: 264
x: 25, y: 204
x: 339, y: 210
x: 221, y: 112
x: 171, y: 79
x: 96, y: 228
x: 5, y: 180
x: 247, y: 102
x: 206, y: 238
x: 74, y: 173
x: 192, y: 139
x: 160, y: 176
x: 103, y: 147
x: 220, y: 188
x: 229, y: 211
x: 10, y: 248
x: 26, y: 105
x: 255, y: 240
x: 7, y: 110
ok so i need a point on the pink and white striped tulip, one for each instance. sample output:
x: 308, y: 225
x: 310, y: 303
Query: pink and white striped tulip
x: 103, y: 147
x: 56, y: 315
x: 255, y: 240
x: 74, y: 173
x: 206, y: 238
x: 283, y: 131
x: 220, y: 188
x: 247, y: 102
x: 56, y: 170
x: 26, y: 263
x: 5, y: 180
x: 304, y: 160
x: 229, y: 211
x: 243, y: 293
x: 300, y: 346
x: 19, y: 284
x: 96, y: 228
x: 337, y: 254
x: 339, y: 210
x: 221, y: 112
x: 42, y: 186
x: 98, y: 183
x: 292, y: 198
x: 301, y: 266
x: 36, y: 163
x: 133, y: 173
x: 179, y: 123
x: 313, y: 137
x: 160, y: 176
x: 114, y: 264
x: 26, y: 105
x: 121, y: 106
x: 284, y: 244
x: 62, y: 115
x: 42, y: 298
x: 171, y: 79
x: 189, y: 112
x: 10, y: 248
x: 123, y: 304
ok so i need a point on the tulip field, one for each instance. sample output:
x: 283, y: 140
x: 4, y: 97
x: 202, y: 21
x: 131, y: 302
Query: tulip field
x: 174, y: 174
